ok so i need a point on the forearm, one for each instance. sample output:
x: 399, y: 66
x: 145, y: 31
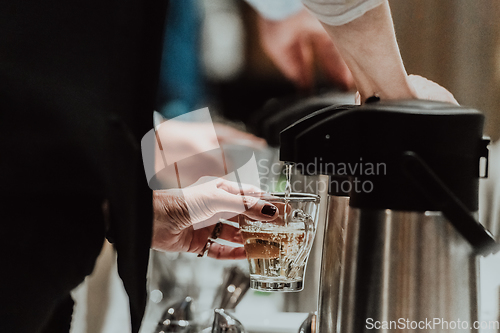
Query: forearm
x: 369, y: 47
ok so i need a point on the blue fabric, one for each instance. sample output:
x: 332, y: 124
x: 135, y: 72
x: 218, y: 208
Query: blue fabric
x: 181, y: 82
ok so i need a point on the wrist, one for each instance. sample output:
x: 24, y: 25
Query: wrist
x: 397, y: 89
x: 170, y: 210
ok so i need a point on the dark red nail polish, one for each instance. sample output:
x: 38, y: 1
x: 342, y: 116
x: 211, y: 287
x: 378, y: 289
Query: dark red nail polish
x: 268, y: 210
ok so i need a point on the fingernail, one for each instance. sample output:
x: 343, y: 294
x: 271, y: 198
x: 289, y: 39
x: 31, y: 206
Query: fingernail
x: 268, y: 210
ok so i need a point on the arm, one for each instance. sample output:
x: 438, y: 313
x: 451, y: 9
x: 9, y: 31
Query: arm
x: 364, y: 34
x: 369, y: 47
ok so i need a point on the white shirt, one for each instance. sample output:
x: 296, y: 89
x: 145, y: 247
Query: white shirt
x: 276, y: 10
x: 339, y: 12
x: 332, y: 12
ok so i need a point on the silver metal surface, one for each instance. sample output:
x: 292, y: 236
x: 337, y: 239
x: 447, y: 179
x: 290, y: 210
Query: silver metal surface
x: 331, y: 263
x: 178, y: 318
x: 234, y: 286
x: 309, y: 324
x: 405, y: 266
x: 225, y: 322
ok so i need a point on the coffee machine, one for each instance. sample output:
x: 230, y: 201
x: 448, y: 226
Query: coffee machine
x: 401, y: 239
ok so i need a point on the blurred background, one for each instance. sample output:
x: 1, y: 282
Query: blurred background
x: 455, y: 43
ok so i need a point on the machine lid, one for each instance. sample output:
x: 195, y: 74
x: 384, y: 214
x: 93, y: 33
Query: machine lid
x: 366, y: 144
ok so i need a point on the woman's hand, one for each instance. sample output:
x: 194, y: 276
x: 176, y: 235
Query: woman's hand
x: 184, y: 219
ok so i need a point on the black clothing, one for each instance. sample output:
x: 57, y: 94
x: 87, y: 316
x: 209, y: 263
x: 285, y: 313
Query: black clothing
x: 77, y: 90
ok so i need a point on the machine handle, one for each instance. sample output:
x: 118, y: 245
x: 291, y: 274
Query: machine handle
x: 453, y: 209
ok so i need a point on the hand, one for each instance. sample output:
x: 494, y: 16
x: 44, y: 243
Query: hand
x: 294, y: 43
x: 184, y: 219
x: 193, y: 144
x: 427, y: 89
x: 368, y: 46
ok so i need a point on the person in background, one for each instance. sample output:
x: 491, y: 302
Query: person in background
x: 296, y: 42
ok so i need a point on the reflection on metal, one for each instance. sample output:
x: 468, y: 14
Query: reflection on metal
x: 226, y: 323
x: 309, y: 324
x: 234, y: 286
x: 410, y: 265
x: 179, y: 318
x: 331, y: 264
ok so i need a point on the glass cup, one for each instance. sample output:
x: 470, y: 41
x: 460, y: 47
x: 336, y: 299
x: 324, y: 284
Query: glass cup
x: 277, y: 250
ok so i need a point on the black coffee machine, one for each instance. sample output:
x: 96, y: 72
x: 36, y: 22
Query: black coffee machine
x: 401, y: 240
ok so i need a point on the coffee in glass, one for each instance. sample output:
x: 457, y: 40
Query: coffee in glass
x: 277, y: 250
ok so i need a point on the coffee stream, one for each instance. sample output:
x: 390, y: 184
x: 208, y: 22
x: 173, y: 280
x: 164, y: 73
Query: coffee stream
x: 288, y: 189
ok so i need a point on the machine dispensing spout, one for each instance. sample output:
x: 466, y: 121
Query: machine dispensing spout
x: 291, y: 137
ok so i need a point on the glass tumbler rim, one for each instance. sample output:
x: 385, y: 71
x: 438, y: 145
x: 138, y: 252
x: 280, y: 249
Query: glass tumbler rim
x: 280, y: 196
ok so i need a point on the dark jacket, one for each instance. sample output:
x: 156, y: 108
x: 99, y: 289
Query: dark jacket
x: 77, y: 89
